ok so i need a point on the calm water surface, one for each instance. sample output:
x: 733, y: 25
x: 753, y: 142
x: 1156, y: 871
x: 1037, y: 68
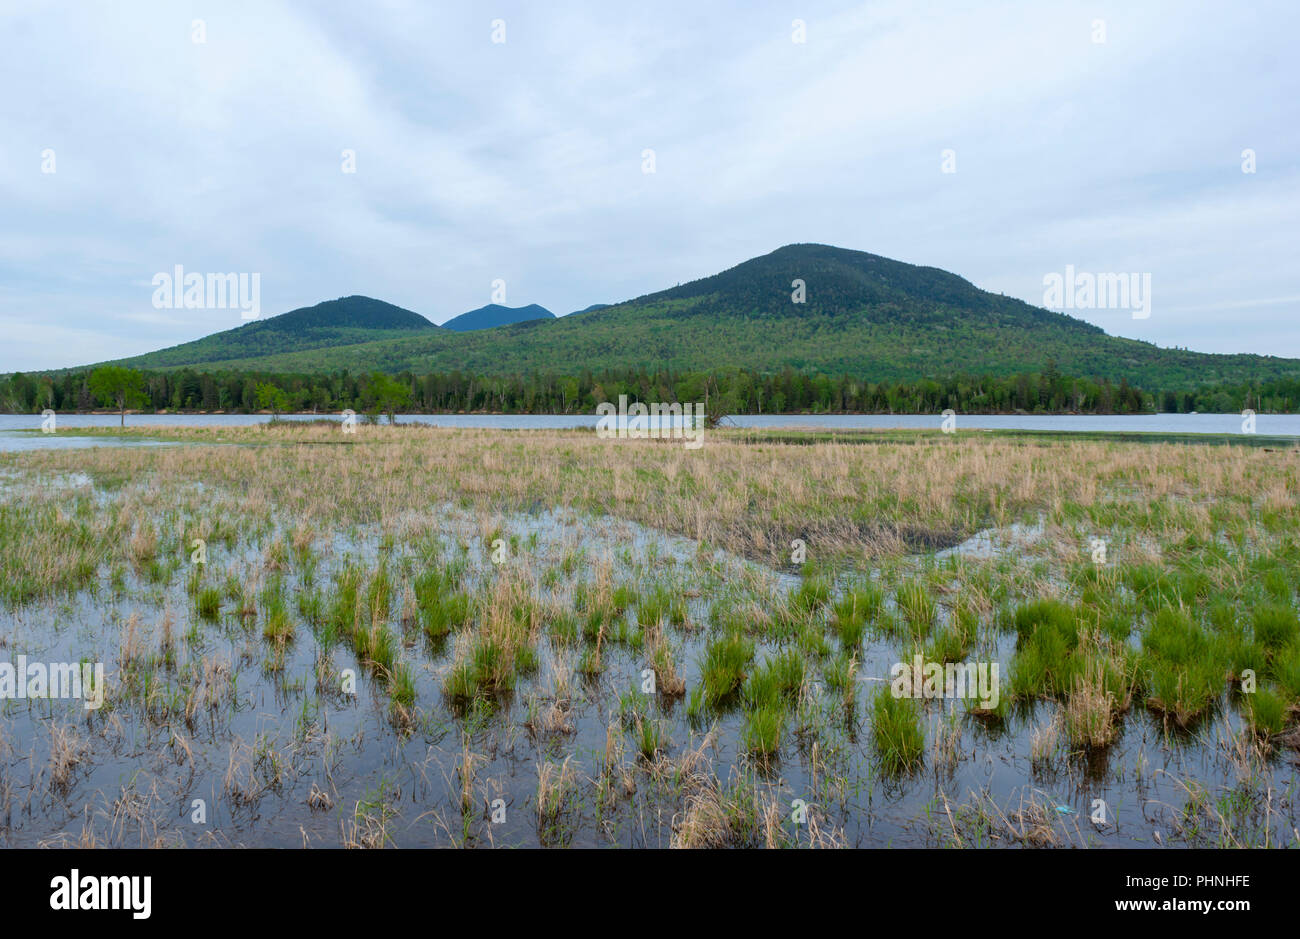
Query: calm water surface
x: 1265, y: 424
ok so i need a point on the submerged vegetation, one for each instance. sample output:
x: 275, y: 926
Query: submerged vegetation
x: 426, y: 636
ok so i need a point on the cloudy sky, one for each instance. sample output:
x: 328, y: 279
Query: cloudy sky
x: 522, y: 160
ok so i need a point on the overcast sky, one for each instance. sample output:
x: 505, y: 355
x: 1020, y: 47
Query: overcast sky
x: 523, y: 160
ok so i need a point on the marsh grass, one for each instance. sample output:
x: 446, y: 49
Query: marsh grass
x: 1089, y: 715
x: 1199, y: 591
x: 896, y: 730
x: 1184, y: 667
x: 763, y: 730
x: 556, y: 794
x: 660, y: 605
x: 841, y: 677
x: 1266, y: 709
x: 917, y: 608
x: 854, y: 613
x: 208, y: 603
x: 667, y: 679
x: 726, y: 664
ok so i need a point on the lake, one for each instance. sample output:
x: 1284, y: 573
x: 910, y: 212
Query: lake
x: 1266, y: 424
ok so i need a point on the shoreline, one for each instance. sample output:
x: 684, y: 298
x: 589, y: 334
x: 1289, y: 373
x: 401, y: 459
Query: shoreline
x: 325, y: 415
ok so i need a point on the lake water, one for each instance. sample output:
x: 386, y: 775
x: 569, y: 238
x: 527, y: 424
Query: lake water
x: 1270, y: 425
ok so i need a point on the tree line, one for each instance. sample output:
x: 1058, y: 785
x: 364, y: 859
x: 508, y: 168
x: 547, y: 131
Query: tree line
x: 738, y: 391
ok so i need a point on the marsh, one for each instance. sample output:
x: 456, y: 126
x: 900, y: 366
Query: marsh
x: 419, y: 636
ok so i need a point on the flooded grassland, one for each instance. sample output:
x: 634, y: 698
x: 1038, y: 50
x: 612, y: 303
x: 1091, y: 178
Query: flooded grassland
x: 418, y: 636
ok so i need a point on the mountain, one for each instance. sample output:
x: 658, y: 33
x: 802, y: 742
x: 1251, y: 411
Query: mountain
x: 343, y: 322
x: 862, y: 315
x: 593, y: 308
x: 494, y: 314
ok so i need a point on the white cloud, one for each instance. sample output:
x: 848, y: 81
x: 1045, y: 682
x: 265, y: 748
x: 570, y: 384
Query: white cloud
x: 522, y: 160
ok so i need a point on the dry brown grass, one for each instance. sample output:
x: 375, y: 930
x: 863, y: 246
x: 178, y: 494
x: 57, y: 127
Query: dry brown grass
x: 614, y: 769
x: 862, y: 499
x: 67, y: 750
x: 319, y: 800
x: 131, y: 645
x: 667, y: 679
x: 1089, y: 714
x: 743, y: 815
x: 1028, y: 818
x: 465, y: 773
x: 1043, y: 741
x: 706, y: 823
x: 556, y: 788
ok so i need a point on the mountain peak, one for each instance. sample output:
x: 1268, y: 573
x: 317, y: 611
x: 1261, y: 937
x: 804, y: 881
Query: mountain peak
x: 330, y: 323
x: 494, y: 314
x: 352, y: 312
x: 804, y: 280
x: 811, y: 308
